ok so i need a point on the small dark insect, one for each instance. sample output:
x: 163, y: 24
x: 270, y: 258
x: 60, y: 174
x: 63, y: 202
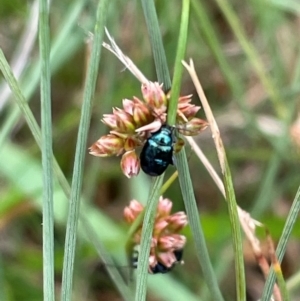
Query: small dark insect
x: 157, y: 152
x: 159, y: 268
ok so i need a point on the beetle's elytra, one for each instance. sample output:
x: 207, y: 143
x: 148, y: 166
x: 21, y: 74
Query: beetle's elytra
x: 157, y: 152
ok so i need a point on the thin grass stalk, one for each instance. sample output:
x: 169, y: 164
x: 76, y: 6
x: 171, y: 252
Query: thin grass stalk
x: 230, y: 195
x: 34, y: 128
x: 169, y: 182
x: 162, y: 70
x: 73, y: 216
x: 243, y: 219
x: 92, y: 175
x: 47, y: 153
x: 210, y: 34
x: 281, y: 248
x: 195, y: 225
x: 156, y: 42
x: 164, y: 287
x: 163, y: 77
x: 18, y: 159
x: 22, y: 51
x: 281, y: 146
x: 31, y: 81
x: 267, y: 186
x: 167, y: 289
x: 15, y: 114
x: 146, y: 236
x: 110, y: 266
x: 236, y: 234
x: 20, y: 99
x: 253, y: 57
x: 234, y: 82
x: 281, y: 282
x: 178, y: 68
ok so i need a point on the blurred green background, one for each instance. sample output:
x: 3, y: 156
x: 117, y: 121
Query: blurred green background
x: 248, y: 61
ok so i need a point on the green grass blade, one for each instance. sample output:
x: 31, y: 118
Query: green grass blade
x: 281, y: 248
x: 167, y: 285
x: 281, y: 283
x: 148, y: 223
x: 236, y: 234
x: 228, y: 185
x: 178, y: 68
x: 71, y: 232
x: 266, y: 192
x: 163, y: 76
x: 158, y: 51
x: 47, y: 154
x: 59, y: 54
x: 213, y: 41
x: 106, y: 258
x: 14, y: 161
x: 288, y: 5
x: 253, y: 57
x: 195, y: 225
x: 23, y: 106
x: 23, y: 50
x: 235, y: 83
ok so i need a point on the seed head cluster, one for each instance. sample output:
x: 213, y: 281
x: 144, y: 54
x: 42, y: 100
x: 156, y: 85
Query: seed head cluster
x: 165, y: 237
x: 131, y: 126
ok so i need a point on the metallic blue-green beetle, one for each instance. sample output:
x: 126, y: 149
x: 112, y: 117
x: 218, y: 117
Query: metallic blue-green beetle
x: 157, y: 152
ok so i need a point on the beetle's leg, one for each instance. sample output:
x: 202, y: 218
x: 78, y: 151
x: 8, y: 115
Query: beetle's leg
x: 177, y: 146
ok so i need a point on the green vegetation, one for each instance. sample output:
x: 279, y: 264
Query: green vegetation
x: 62, y: 234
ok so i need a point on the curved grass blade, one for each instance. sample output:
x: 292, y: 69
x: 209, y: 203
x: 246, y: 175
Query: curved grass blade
x: 158, y: 51
x: 59, y: 54
x: 163, y: 76
x: 230, y: 195
x: 15, y: 161
x: 281, y: 248
x: 24, y: 107
x: 47, y: 153
x: 23, y: 50
x: 71, y: 232
x: 178, y: 68
x: 210, y: 34
x: 195, y: 224
x: 148, y: 223
x: 253, y: 57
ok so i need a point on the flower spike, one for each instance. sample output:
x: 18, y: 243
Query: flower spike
x: 166, y: 244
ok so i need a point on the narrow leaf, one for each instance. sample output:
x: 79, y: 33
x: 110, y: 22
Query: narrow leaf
x: 71, y: 232
x: 46, y: 120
